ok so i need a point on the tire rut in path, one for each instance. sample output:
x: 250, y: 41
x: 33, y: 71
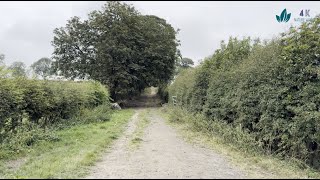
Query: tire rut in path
x: 162, y: 154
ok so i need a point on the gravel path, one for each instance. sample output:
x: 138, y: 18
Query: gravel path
x: 162, y: 154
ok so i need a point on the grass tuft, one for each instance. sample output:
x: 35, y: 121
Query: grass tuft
x: 236, y: 145
x: 141, y: 124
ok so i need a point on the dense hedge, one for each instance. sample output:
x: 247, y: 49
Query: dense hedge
x: 271, y: 90
x: 45, y: 102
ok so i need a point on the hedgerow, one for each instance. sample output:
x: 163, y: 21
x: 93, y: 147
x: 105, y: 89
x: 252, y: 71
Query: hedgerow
x: 44, y: 103
x: 270, y: 90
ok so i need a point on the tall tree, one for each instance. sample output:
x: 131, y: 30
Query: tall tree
x: 119, y: 47
x: 3, y: 71
x: 2, y: 57
x: 186, y: 62
x: 18, y: 69
x: 42, y: 67
x: 182, y: 63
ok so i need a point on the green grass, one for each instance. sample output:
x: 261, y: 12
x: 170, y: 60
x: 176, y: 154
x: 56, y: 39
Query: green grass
x: 141, y: 124
x: 78, y: 149
x: 253, y: 163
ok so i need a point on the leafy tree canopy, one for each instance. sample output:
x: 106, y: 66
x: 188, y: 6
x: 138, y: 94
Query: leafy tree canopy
x: 186, y: 62
x: 2, y: 57
x: 118, y: 47
x: 42, y: 67
x: 18, y: 69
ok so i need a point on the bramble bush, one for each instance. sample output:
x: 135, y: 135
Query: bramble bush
x: 270, y: 90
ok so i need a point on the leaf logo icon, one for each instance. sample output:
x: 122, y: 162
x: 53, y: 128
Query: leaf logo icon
x: 284, y: 17
x: 288, y: 17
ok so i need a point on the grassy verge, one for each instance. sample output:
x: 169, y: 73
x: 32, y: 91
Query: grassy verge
x: 217, y: 136
x: 77, y: 149
x: 141, y: 124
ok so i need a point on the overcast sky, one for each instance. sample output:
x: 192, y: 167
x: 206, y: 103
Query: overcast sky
x: 26, y: 28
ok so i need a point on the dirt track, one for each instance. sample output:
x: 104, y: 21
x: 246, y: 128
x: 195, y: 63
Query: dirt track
x: 161, y: 154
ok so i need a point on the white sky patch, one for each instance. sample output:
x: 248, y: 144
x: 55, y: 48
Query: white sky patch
x: 26, y: 28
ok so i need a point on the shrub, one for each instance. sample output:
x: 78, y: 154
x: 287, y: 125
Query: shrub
x: 45, y: 102
x: 270, y: 90
x: 182, y: 87
x: 23, y: 138
x: 11, y: 100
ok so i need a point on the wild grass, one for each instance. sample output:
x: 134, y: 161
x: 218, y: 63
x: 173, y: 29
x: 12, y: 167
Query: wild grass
x: 235, y: 145
x: 78, y: 147
x: 141, y: 125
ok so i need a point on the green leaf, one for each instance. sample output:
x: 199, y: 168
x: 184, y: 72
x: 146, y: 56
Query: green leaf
x: 283, y: 15
x: 288, y: 17
x: 278, y: 18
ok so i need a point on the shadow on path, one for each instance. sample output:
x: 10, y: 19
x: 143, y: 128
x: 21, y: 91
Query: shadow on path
x: 150, y: 99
